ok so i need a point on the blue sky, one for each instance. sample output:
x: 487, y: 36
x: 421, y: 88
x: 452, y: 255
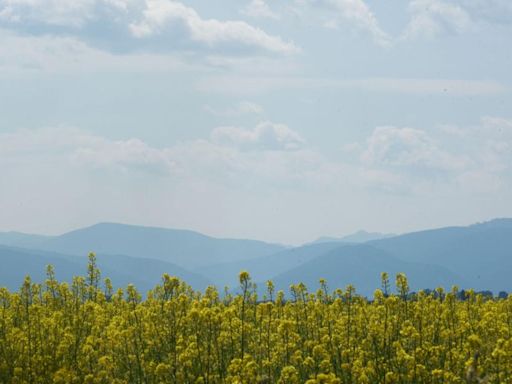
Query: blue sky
x: 269, y: 119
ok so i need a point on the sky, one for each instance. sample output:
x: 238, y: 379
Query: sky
x: 266, y: 119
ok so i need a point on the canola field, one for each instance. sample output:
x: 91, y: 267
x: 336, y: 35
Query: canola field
x: 85, y: 332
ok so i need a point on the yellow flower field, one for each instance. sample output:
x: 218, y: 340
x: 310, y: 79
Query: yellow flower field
x: 85, y: 333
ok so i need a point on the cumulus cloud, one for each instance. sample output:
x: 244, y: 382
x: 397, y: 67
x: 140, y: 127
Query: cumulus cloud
x: 393, y: 146
x: 62, y: 13
x: 57, y: 178
x: 430, y: 18
x: 259, y: 9
x: 354, y: 14
x: 152, y: 25
x: 64, y: 54
x: 391, y: 158
x: 68, y: 144
x: 492, y: 11
x: 160, y: 15
x: 80, y: 172
x: 266, y: 135
x: 474, y: 158
x: 269, y: 148
x: 357, y: 13
x: 126, y: 155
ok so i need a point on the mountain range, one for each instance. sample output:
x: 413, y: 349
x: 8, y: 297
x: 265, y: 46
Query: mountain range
x: 188, y: 249
x: 477, y: 256
x: 357, y: 237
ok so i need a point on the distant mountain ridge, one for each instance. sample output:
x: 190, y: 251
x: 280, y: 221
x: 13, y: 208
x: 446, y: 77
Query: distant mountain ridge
x: 356, y: 237
x: 22, y: 239
x: 122, y: 270
x: 478, y: 256
x: 481, y: 253
x: 361, y: 265
x: 266, y: 268
x: 186, y: 248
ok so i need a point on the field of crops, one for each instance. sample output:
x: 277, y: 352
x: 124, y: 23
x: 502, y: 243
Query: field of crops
x: 85, y: 332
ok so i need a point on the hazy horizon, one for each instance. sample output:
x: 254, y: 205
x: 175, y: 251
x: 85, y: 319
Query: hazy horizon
x: 309, y: 241
x: 282, y: 121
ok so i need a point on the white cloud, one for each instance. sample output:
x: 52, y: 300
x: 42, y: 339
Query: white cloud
x: 274, y: 147
x: 57, y: 179
x: 357, y: 13
x: 353, y: 15
x: 259, y: 9
x: 430, y: 18
x: 408, y: 147
x: 126, y: 155
x: 493, y: 11
x: 91, y: 178
x: 451, y: 158
x: 152, y: 25
x: 67, y: 54
x: 266, y: 135
x: 72, y: 145
x: 391, y: 159
x: 161, y: 14
x: 53, y: 12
